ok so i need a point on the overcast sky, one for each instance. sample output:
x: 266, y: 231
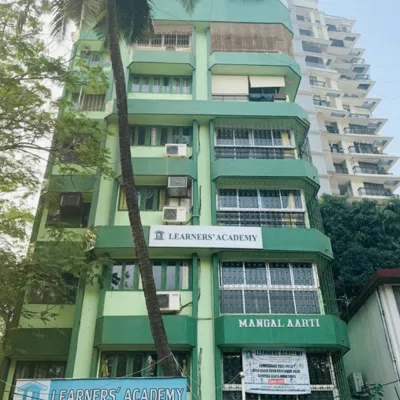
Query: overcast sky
x: 378, y: 24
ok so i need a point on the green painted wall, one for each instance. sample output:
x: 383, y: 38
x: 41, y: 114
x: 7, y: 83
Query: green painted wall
x: 63, y: 319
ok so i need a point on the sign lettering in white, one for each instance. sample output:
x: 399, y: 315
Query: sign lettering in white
x: 279, y: 323
x: 221, y: 237
x: 276, y: 372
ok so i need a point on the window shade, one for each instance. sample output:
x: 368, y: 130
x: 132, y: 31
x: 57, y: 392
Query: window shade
x: 230, y: 84
x: 267, y: 81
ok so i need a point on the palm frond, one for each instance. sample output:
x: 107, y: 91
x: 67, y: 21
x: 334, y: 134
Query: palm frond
x: 188, y: 5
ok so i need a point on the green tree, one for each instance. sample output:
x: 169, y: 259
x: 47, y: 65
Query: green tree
x: 365, y: 236
x: 129, y: 21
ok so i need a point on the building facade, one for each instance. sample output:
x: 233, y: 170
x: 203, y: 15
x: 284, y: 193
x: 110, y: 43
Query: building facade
x: 346, y: 143
x: 228, y: 203
x: 374, y: 331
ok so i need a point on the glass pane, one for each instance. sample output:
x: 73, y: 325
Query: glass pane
x: 165, y: 85
x: 270, y: 199
x: 156, y: 84
x: 256, y: 273
x: 157, y: 272
x: 277, y: 138
x: 155, y: 136
x: 256, y: 301
x: 141, y: 136
x: 183, y: 361
x: 151, y: 366
x: 307, y: 302
x: 230, y: 395
x: 262, y: 138
x: 225, y: 136
x: 184, y: 276
x: 164, y: 136
x: 145, y: 85
x: 135, y: 84
x: 281, y: 302
x: 171, y: 276
x: 242, y: 137
x: 232, y: 273
x: 129, y: 276
x: 291, y: 199
x: 186, y: 86
x: 303, y: 274
x: 150, y: 199
x: 319, y: 369
x: 116, y: 276
x: 248, y: 198
x: 183, y: 40
x: 106, y: 365
x: 175, y: 135
x: 186, y: 135
x: 170, y: 40
x: 232, y: 366
x: 231, y: 301
x: 121, y: 365
x: 227, y: 198
x: 280, y: 274
x: 137, y: 365
x: 176, y: 86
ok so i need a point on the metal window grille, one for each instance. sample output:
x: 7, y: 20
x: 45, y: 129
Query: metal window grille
x: 322, y: 379
x: 90, y: 102
x: 169, y: 37
x: 236, y: 37
x: 268, y: 288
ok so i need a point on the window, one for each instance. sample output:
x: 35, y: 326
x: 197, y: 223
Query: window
x: 37, y: 370
x: 159, y: 136
x: 168, y: 275
x: 396, y: 293
x: 77, y: 217
x: 88, y: 102
x: 150, y: 198
x: 139, y: 364
x: 160, y: 84
x: 173, y: 40
x: 319, y: 367
x: 268, y: 288
x: 254, y: 207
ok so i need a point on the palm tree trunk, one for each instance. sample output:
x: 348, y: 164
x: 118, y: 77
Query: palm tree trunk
x: 146, y: 271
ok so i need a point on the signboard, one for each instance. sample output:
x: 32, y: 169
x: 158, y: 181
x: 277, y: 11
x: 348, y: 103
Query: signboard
x: 276, y: 372
x: 218, y: 237
x: 102, y: 389
x: 279, y: 323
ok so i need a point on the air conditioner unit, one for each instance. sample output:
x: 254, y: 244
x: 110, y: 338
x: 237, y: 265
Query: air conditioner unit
x: 176, y: 150
x: 355, y: 382
x: 178, y: 186
x: 71, y: 200
x: 174, y: 215
x: 169, y: 302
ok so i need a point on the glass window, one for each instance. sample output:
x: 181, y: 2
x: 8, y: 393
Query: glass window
x: 280, y: 274
x: 175, y: 135
x: 155, y: 136
x: 150, y: 201
x: 165, y: 88
x: 232, y: 273
x: 156, y: 41
x: 186, y: 85
x: 183, y: 40
x: 141, y: 136
x: 262, y: 138
x: 186, y: 135
x: 232, y: 366
x: 281, y: 302
x: 256, y: 273
x: 256, y: 301
x: 242, y: 137
x: 224, y: 136
x: 157, y: 273
x: 170, y: 40
x: 156, y: 84
x: 164, y: 136
x: 277, y: 138
x: 145, y: 84
x: 307, y: 302
x: 135, y: 84
x: 116, y: 277
x: 184, y: 276
x: 129, y: 276
x: 248, y: 198
x: 171, y: 276
x: 231, y: 302
x: 228, y: 198
x: 319, y: 369
x: 270, y: 199
x: 176, y: 85
x: 303, y: 274
x: 291, y: 199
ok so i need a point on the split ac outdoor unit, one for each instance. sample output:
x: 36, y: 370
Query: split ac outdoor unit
x: 174, y: 215
x: 178, y: 186
x: 71, y: 200
x: 355, y: 382
x: 175, y: 150
x: 169, y: 302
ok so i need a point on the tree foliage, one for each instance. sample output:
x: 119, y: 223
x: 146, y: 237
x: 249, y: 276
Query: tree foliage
x: 365, y: 236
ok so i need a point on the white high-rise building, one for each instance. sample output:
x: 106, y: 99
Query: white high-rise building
x: 344, y: 136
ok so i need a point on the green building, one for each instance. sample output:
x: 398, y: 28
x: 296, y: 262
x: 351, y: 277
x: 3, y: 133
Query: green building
x: 228, y: 201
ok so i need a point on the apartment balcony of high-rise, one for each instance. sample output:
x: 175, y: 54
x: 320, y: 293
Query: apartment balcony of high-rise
x: 356, y: 84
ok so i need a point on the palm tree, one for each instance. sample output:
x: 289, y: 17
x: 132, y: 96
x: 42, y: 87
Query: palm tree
x: 128, y: 20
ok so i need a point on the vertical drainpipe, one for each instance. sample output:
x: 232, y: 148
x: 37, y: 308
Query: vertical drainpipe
x: 195, y: 150
x: 195, y: 308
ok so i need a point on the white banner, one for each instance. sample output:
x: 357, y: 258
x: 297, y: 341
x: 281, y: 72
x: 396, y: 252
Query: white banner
x: 218, y: 237
x: 276, y: 372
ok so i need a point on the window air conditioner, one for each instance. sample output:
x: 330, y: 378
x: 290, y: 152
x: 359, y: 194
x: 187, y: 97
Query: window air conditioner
x: 175, y: 150
x: 169, y: 302
x: 174, y: 215
x: 355, y: 382
x: 71, y: 200
x: 178, y: 186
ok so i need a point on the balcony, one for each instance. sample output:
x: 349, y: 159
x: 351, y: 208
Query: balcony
x: 370, y: 170
x: 375, y: 192
x: 258, y: 153
x: 322, y: 103
x: 341, y: 170
x: 317, y: 83
x: 359, y: 131
x: 255, y: 97
x: 356, y: 115
x: 364, y: 150
x: 316, y: 65
x: 332, y: 28
x: 359, y: 77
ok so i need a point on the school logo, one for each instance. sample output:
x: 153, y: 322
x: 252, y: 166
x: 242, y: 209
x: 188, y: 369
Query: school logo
x: 159, y: 235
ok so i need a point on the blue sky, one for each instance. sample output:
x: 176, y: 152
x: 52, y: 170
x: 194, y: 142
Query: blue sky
x: 378, y: 22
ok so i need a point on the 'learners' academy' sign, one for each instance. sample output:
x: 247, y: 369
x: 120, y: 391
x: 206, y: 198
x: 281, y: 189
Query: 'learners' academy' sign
x: 220, y: 237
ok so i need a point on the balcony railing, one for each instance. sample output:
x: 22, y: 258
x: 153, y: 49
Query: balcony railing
x: 256, y: 97
x: 337, y: 150
x: 356, y: 115
x: 317, y: 83
x: 322, y: 103
x: 365, y: 150
x: 370, y: 170
x: 316, y: 65
x: 258, y: 153
x: 359, y: 131
x: 357, y: 60
x: 362, y: 77
x: 262, y: 218
x: 332, y: 28
x: 332, y: 129
x: 341, y: 170
x: 375, y: 192
x: 313, y: 48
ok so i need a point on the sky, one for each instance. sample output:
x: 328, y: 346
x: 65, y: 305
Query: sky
x: 377, y: 22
